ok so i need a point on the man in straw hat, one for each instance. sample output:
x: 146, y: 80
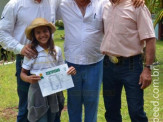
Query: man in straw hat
x: 16, y: 16
x: 83, y: 36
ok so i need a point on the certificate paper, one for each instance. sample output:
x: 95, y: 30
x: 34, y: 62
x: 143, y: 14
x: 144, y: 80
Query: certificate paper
x: 55, y: 80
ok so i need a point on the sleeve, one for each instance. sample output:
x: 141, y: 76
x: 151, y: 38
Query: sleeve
x: 27, y: 63
x: 7, y: 25
x: 60, y: 57
x: 144, y: 23
x: 55, y: 13
x: 58, y: 13
x: 104, y: 2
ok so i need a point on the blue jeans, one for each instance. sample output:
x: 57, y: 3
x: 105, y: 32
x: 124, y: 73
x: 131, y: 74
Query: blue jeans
x: 126, y: 74
x: 22, y: 89
x: 60, y: 97
x: 87, y: 84
x: 58, y: 117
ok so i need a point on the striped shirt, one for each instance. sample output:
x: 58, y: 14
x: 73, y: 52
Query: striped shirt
x: 43, y: 61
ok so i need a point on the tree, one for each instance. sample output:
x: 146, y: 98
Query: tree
x: 6, y: 55
x: 155, y: 7
x: 159, y: 15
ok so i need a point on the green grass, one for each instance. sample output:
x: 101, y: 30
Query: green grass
x: 57, y: 39
x: 9, y: 98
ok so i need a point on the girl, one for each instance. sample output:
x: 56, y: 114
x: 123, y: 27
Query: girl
x: 41, y: 109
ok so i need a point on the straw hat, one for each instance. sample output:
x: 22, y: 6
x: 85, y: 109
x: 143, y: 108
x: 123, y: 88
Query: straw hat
x: 37, y: 23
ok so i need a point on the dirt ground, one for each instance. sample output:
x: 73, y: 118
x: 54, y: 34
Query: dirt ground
x: 9, y: 113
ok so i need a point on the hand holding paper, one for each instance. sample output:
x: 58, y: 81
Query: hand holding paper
x: 56, y: 79
x: 29, y: 79
x: 71, y: 71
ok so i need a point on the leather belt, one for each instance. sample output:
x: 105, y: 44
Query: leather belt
x: 117, y: 60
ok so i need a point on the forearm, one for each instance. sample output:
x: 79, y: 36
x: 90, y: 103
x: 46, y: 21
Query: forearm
x: 24, y: 76
x: 7, y: 28
x: 150, y: 51
x: 30, y: 79
x: 9, y: 43
x: 145, y: 77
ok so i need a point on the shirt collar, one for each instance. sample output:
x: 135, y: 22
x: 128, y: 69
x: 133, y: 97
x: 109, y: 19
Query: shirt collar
x: 121, y: 2
x: 39, y: 48
x: 124, y: 1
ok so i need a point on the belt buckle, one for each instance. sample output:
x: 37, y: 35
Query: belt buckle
x: 113, y: 59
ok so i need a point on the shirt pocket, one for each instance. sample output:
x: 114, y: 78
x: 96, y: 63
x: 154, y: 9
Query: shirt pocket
x: 97, y: 22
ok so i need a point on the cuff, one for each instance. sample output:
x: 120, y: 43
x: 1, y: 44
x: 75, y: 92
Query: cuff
x: 18, y: 49
x: 146, y: 36
x: 25, y: 67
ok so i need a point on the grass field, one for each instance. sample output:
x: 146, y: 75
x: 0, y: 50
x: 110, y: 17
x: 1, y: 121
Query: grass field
x: 9, y: 98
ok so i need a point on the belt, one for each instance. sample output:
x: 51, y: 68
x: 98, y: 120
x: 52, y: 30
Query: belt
x: 117, y: 60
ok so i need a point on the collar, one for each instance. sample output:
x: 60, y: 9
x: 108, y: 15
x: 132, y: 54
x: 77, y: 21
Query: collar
x: 39, y: 48
x: 124, y: 1
x: 121, y: 2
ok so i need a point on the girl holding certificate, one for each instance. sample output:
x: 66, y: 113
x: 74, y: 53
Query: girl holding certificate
x: 41, y: 109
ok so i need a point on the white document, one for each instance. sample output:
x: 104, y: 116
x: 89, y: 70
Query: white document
x: 54, y: 80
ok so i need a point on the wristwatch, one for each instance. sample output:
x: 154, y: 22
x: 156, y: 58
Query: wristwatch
x: 149, y: 66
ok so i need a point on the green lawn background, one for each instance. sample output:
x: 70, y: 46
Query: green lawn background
x: 9, y: 98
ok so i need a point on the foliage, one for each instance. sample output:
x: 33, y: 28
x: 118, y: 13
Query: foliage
x: 59, y: 24
x: 6, y: 55
x: 155, y: 7
x: 159, y: 17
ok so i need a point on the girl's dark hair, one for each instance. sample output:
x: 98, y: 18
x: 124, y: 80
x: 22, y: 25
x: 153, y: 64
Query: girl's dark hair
x: 50, y: 42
